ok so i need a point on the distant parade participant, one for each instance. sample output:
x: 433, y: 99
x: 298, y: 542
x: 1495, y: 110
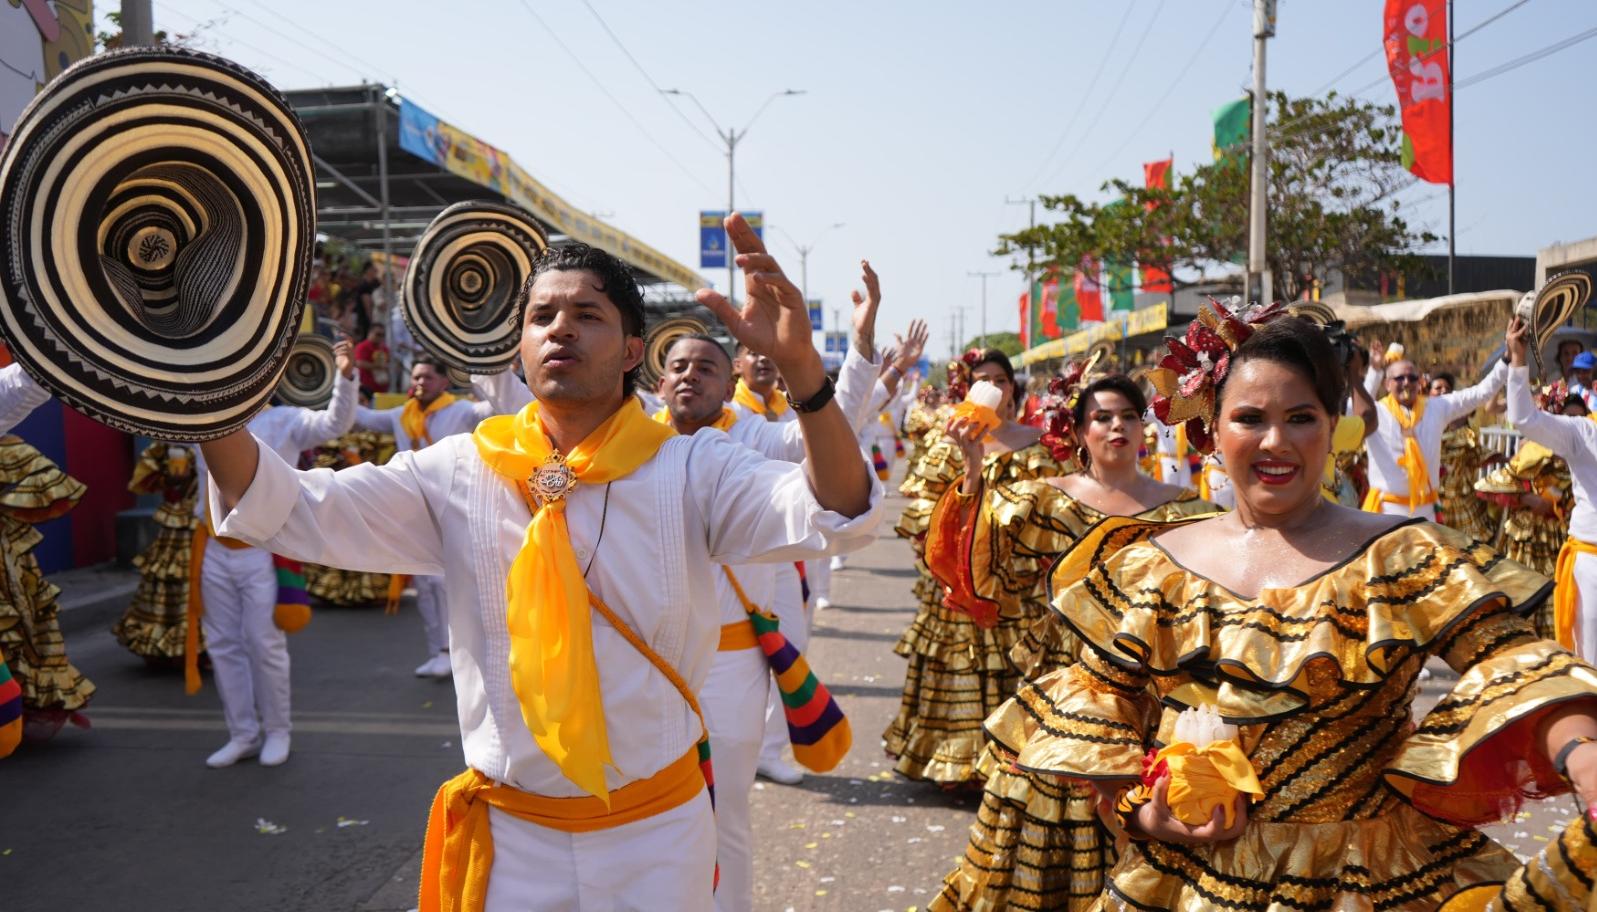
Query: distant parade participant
x: 1405, y: 452
x: 758, y: 387
x: 958, y: 671
x: 1037, y: 842
x: 578, y: 535
x: 1456, y: 503
x: 428, y: 416
x: 238, y: 602
x: 1574, y: 438
x: 155, y: 624
x: 52, y: 691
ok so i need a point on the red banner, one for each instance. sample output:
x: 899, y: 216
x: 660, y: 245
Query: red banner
x: 1026, y: 340
x: 1416, y: 53
x: 1156, y: 278
x: 1089, y: 294
x: 1050, y: 307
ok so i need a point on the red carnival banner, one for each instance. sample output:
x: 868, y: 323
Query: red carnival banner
x: 1416, y: 53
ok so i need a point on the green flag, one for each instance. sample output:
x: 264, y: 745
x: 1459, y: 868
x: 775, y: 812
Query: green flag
x: 1035, y: 309
x: 1232, y: 124
x: 1121, y: 296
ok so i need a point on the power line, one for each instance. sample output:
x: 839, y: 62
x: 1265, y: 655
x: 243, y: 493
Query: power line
x: 341, y: 50
x: 376, y: 72
x: 1154, y: 108
x: 1379, y: 51
x: 1131, y: 61
x: 214, y: 28
x: 650, y: 79
x: 1532, y: 57
x: 613, y: 100
x: 1086, y: 94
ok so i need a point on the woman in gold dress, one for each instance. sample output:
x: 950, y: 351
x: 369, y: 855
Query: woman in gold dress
x: 156, y: 621
x: 1456, y: 503
x: 33, y: 490
x: 331, y: 585
x: 1037, y: 842
x: 959, y: 672
x: 1305, y: 624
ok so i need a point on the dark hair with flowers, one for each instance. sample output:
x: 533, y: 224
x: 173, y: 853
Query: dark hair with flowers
x: 959, y: 373
x: 1556, y: 396
x: 1188, y: 378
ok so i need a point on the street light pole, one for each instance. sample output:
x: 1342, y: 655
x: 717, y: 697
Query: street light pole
x: 983, y: 276
x: 1258, y: 263
x: 804, y: 255
x: 731, y: 136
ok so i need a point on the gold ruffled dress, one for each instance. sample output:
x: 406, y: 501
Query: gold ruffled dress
x: 920, y: 421
x: 1037, y: 842
x: 958, y: 672
x: 156, y: 621
x: 33, y: 490
x: 1363, y: 809
x: 1524, y: 535
x: 1456, y: 503
x: 349, y: 588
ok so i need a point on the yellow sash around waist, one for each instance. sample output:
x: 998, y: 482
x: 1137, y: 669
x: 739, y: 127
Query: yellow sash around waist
x: 1566, y: 596
x: 459, y: 851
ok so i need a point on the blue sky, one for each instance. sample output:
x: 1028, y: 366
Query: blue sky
x: 919, y: 119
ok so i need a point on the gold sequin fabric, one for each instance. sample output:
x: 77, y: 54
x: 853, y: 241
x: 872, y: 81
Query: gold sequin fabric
x: 958, y: 672
x: 1037, y: 842
x: 1524, y: 535
x: 1456, y: 503
x: 33, y: 489
x: 332, y: 585
x: 1364, y: 808
x: 156, y: 620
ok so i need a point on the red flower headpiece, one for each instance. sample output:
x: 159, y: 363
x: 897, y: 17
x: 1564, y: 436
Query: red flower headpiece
x: 959, y: 374
x: 1187, y: 377
x: 1551, y: 398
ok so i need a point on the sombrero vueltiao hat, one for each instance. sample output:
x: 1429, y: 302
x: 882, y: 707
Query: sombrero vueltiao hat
x: 159, y: 216
x: 308, y: 379
x: 1550, y: 307
x: 461, y: 297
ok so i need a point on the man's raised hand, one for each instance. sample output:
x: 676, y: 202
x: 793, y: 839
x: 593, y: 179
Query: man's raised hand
x: 865, y: 307
x: 774, y: 320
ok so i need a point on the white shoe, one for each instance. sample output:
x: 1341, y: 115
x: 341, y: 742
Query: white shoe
x: 822, y: 603
x: 838, y: 563
x: 232, y: 752
x: 779, y: 771
x: 275, y: 751
x: 435, y: 667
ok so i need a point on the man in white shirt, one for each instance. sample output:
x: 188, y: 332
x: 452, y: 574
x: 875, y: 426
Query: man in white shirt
x: 1405, y: 451
x: 575, y: 795
x: 238, y: 589
x: 1574, y: 439
x: 757, y: 392
x: 428, y: 416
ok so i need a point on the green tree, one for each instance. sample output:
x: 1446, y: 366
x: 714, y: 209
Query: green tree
x: 1335, y: 165
x: 1006, y: 342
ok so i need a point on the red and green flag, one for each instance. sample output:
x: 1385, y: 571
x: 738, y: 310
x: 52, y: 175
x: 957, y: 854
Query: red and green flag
x: 1067, y: 311
x: 1156, y: 275
x: 1416, y: 53
x: 1232, y: 124
x: 1089, y: 294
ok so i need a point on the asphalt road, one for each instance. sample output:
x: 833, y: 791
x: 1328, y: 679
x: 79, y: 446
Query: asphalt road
x: 127, y: 817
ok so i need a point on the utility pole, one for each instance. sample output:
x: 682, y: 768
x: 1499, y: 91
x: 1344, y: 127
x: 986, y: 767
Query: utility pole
x: 1258, y: 264
x: 138, y: 24
x: 731, y: 136
x: 804, y: 255
x: 983, y: 276
x: 1030, y: 202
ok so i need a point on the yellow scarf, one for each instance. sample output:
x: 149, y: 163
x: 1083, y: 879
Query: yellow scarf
x: 756, y: 403
x: 414, y: 419
x: 723, y: 423
x: 1413, y: 458
x: 552, y: 668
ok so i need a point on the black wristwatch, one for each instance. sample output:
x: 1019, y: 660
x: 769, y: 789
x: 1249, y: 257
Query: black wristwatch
x: 1561, y: 759
x: 816, y: 402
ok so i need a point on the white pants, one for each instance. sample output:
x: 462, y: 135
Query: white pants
x: 1586, y: 606
x: 733, y: 697
x: 662, y: 862
x: 248, y: 653
x: 434, y: 613
x: 1401, y: 509
x: 795, y: 618
x: 818, y: 575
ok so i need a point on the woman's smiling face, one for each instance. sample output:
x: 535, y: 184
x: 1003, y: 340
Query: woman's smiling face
x: 1274, y: 435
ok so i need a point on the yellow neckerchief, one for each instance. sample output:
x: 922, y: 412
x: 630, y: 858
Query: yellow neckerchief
x: 756, y: 403
x: 414, y: 419
x: 1413, y: 458
x: 552, y: 668
x: 723, y: 423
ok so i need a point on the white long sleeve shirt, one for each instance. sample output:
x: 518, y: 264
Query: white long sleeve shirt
x: 1572, y: 438
x: 660, y: 533
x: 19, y: 396
x: 1385, y: 446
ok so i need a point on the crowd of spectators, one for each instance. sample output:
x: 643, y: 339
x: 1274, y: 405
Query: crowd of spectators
x: 348, y: 294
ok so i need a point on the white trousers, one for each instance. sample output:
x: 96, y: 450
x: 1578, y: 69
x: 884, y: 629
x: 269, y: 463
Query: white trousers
x: 662, y: 862
x: 249, y: 655
x: 818, y: 574
x: 795, y: 618
x: 733, y: 698
x: 1401, y: 509
x: 1586, y: 606
x: 434, y: 615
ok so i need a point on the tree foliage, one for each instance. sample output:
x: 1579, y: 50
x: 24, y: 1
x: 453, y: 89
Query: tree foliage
x: 1006, y: 342
x: 1335, y: 165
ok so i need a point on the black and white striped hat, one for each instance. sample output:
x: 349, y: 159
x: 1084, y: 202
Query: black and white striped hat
x: 461, y: 297
x: 158, y: 212
x: 308, y: 379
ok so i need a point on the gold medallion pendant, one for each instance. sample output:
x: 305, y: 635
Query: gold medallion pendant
x: 552, y: 481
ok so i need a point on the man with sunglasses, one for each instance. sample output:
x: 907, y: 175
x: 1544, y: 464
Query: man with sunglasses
x: 1406, y: 449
